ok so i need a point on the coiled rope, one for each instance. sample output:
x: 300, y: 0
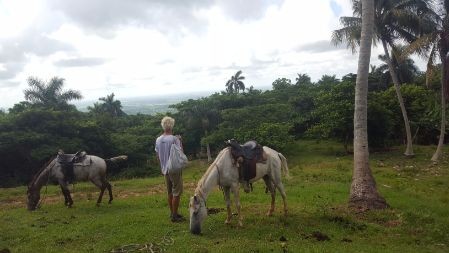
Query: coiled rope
x: 150, y: 247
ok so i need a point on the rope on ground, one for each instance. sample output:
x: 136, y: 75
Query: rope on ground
x: 150, y: 247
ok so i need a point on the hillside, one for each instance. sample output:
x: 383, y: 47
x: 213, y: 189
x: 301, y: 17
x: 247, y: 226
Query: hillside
x: 318, y: 219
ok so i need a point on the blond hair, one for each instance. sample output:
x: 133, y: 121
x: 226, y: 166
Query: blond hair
x: 167, y: 123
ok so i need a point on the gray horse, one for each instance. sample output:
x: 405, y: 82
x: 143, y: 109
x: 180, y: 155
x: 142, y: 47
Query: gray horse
x: 224, y: 173
x: 65, y: 169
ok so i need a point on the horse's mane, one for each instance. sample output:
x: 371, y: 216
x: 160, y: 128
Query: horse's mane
x: 35, y: 177
x: 208, y: 171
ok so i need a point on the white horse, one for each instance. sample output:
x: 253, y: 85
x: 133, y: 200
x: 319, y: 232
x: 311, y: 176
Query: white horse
x: 224, y: 173
x: 93, y: 169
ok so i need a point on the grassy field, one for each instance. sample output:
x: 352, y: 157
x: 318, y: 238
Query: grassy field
x: 318, y: 221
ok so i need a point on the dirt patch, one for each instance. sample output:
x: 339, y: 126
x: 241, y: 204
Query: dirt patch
x: 393, y: 223
x: 316, y: 235
x: 119, y: 193
x: 348, y: 224
x: 320, y: 236
x: 214, y: 210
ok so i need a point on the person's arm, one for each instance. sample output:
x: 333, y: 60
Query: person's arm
x: 179, y: 142
x: 156, y: 149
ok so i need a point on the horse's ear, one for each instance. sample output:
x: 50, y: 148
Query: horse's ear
x: 195, y: 198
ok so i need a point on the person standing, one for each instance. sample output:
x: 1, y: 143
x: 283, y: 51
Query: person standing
x: 173, y: 180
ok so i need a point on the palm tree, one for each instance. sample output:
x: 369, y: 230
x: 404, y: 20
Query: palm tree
x: 50, y: 94
x: 363, y: 192
x: 405, y: 67
x: 303, y: 79
x: 394, y: 19
x: 111, y: 106
x: 235, y: 84
x: 437, y: 42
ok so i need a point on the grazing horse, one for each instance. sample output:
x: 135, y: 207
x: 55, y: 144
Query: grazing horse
x: 62, y: 170
x: 224, y: 173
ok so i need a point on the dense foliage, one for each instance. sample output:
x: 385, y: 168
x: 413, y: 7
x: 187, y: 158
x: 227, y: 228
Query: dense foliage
x: 32, y: 131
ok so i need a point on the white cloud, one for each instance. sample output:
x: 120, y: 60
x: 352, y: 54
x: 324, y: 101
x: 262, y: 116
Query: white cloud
x: 160, y: 47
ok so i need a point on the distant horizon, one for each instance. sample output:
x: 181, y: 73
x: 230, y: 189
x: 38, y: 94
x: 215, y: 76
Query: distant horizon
x: 170, y: 98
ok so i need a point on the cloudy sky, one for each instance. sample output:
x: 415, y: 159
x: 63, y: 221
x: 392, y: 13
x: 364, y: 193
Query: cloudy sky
x: 153, y: 47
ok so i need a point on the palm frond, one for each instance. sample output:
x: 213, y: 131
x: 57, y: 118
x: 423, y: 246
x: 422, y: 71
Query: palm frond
x: 238, y: 74
x: 70, y: 95
x: 349, y: 35
x: 36, y: 83
x: 422, y: 45
x: 55, y: 85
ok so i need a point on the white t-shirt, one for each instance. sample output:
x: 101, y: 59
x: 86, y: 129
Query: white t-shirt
x: 162, y: 148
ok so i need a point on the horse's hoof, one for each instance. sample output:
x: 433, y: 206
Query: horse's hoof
x: 98, y: 205
x: 269, y: 213
x: 227, y: 222
x: 240, y: 224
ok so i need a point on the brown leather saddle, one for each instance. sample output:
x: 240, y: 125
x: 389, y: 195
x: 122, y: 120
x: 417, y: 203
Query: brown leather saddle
x: 246, y: 157
x: 67, y: 162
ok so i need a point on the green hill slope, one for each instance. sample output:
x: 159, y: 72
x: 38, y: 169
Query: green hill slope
x: 318, y: 220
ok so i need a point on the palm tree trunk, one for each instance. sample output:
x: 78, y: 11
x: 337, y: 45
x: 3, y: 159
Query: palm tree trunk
x: 394, y: 77
x: 437, y: 155
x: 209, y: 157
x: 363, y: 194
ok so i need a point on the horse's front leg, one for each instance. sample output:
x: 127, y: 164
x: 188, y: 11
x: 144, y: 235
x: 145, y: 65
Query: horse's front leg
x: 66, y: 192
x: 227, y: 195
x: 66, y: 200
x: 236, y: 191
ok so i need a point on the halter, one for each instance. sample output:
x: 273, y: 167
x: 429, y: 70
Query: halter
x: 200, y: 193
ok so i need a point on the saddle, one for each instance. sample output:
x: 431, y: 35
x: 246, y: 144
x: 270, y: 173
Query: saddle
x: 246, y: 157
x: 78, y: 157
x: 67, y: 162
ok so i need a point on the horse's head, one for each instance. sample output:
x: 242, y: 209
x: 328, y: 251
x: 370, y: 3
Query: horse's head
x: 198, y: 212
x: 33, y: 196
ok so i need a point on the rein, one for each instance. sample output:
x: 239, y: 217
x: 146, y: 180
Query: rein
x: 38, y: 205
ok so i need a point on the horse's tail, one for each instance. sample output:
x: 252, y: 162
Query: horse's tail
x: 284, y: 166
x: 113, y: 163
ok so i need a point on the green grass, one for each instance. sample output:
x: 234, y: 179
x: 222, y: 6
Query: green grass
x: 318, y: 221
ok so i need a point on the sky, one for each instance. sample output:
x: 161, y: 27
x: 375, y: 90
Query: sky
x: 159, y: 47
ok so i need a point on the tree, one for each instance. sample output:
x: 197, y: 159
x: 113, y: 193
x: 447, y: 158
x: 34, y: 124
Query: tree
x: 394, y: 19
x: 303, y: 79
x: 109, y: 106
x: 363, y: 192
x: 437, y: 42
x: 281, y: 84
x: 235, y: 84
x: 405, y: 67
x: 50, y: 94
x: 208, y: 118
x: 200, y: 116
x: 335, y: 111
